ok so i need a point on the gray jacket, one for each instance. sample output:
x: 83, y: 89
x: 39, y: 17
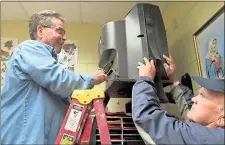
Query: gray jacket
x: 179, y: 94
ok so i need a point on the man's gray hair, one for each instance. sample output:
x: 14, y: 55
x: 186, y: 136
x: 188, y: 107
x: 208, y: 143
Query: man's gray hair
x: 44, y: 19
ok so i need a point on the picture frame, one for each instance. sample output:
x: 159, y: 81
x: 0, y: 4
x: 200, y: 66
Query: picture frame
x: 68, y: 57
x: 3, y: 65
x: 209, y: 46
x: 7, y: 46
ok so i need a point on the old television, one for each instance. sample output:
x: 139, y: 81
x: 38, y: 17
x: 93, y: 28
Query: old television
x: 124, y: 43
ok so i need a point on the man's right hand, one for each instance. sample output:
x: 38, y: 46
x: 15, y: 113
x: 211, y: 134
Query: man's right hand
x: 170, y: 68
x: 99, y: 77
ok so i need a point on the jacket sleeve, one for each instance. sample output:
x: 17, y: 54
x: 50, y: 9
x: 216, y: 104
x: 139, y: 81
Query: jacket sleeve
x: 38, y: 65
x: 163, y: 128
x: 179, y: 92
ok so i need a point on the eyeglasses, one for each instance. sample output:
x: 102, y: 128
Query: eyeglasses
x: 59, y: 30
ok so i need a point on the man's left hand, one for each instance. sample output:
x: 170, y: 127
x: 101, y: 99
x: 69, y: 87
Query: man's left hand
x: 148, y: 69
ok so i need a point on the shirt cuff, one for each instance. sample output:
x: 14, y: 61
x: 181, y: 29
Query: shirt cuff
x: 91, y: 83
x: 146, y: 79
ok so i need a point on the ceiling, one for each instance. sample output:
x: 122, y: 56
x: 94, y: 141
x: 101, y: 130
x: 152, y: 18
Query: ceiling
x: 74, y: 12
x: 81, y: 12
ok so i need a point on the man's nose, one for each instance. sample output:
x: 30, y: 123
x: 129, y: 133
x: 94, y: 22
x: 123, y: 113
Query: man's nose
x: 194, y: 99
x: 64, y: 37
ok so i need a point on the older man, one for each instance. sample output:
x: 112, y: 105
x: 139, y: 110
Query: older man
x: 34, y: 96
x: 207, y: 113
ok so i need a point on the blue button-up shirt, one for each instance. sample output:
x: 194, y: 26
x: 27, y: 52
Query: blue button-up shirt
x: 161, y: 127
x: 34, y: 96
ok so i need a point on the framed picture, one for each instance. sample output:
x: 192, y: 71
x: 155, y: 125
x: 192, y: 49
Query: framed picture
x: 7, y: 46
x: 3, y: 65
x: 209, y: 46
x: 68, y: 56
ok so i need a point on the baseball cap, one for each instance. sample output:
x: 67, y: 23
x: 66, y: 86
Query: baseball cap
x: 216, y: 85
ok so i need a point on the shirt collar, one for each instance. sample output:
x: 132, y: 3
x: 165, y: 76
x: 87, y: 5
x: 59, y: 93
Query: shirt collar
x: 50, y: 48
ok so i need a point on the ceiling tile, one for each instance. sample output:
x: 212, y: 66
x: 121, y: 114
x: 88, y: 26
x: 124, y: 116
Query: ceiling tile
x: 74, y: 12
x: 13, y: 11
x: 103, y: 12
x: 69, y: 10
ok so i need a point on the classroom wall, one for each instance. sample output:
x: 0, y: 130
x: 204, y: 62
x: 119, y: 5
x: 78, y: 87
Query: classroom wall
x: 180, y: 39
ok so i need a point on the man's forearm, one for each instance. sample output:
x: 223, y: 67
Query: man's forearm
x: 179, y: 96
x: 142, y: 98
x: 147, y: 114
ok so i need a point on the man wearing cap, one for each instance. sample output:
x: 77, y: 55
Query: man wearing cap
x: 206, y: 125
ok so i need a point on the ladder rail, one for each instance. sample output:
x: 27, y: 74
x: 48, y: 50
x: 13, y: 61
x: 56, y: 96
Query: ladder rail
x: 102, y: 122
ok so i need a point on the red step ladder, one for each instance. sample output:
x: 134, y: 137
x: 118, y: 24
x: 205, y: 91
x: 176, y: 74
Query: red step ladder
x: 77, y: 125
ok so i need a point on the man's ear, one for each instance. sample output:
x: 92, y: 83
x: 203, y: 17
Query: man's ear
x: 39, y: 32
x: 220, y: 121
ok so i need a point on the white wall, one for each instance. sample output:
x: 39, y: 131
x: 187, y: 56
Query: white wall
x: 180, y: 39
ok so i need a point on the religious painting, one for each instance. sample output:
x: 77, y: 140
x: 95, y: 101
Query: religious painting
x: 209, y: 46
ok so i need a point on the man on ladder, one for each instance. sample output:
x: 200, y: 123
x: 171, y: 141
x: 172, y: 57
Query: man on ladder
x: 77, y: 125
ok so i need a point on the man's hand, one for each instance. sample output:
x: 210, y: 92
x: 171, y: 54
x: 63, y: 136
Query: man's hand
x: 170, y: 69
x: 147, y: 69
x: 99, y: 77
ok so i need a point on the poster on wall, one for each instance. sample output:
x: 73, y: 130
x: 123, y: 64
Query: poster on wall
x: 68, y: 56
x: 7, y: 46
x: 3, y: 69
x: 209, y: 46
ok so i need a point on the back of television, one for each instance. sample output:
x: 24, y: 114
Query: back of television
x: 124, y: 43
